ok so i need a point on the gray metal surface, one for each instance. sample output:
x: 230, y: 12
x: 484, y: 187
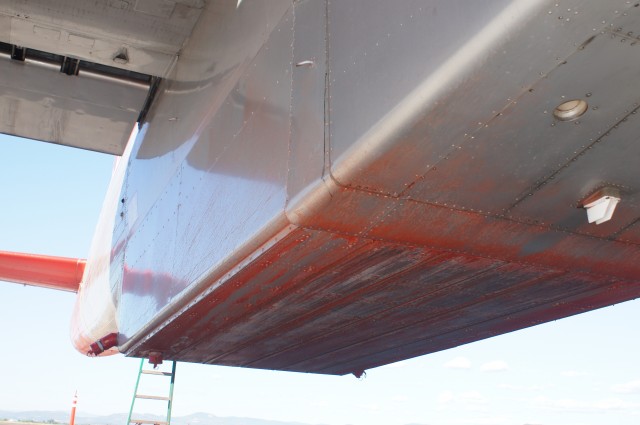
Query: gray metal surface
x: 218, y: 148
x: 381, y: 51
x: 152, y: 32
x: 90, y: 111
x: 504, y: 162
x: 476, y: 132
x: 307, y: 145
x: 441, y: 101
x: 331, y: 186
x: 144, y: 36
x: 609, y: 161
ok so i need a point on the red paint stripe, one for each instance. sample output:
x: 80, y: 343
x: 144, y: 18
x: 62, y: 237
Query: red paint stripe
x: 42, y: 270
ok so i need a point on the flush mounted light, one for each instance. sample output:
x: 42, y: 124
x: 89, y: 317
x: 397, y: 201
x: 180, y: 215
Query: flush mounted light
x: 601, y: 205
x: 570, y: 110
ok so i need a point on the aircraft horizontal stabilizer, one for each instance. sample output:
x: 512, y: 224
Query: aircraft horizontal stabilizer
x: 42, y: 270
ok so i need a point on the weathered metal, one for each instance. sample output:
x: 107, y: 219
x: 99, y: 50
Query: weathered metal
x: 87, y: 107
x: 331, y: 186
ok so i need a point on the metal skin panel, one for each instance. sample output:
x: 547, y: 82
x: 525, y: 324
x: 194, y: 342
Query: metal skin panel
x: 201, y: 92
x: 365, y: 82
x: 267, y: 220
x: 463, y: 231
x: 89, y: 111
x: 611, y: 161
x: 97, y: 31
x: 228, y: 183
x: 538, y: 145
x: 492, y: 54
x: 631, y: 234
x: 288, y: 311
x: 98, y: 112
x: 94, y: 313
x: 307, y: 156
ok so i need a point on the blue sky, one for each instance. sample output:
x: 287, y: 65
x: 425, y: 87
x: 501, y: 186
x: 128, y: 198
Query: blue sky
x: 581, y: 370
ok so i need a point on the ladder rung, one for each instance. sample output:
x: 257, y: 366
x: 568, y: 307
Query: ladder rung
x: 156, y: 372
x: 147, y: 421
x: 152, y: 397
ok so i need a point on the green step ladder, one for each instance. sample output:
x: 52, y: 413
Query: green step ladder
x: 166, y: 398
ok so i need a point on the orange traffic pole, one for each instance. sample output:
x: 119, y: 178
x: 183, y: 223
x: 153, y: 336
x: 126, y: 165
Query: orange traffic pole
x: 72, y: 420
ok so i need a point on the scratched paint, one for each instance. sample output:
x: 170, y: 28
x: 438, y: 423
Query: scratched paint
x: 306, y: 219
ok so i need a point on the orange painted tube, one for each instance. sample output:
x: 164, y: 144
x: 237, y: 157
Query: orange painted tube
x: 42, y: 270
x: 74, y: 404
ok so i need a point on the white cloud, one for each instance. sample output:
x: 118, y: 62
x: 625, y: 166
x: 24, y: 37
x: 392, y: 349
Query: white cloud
x: 399, y: 398
x: 573, y: 373
x: 472, y: 397
x: 495, y: 366
x: 466, y: 398
x: 458, y: 363
x: 562, y: 403
x: 445, y: 397
x: 521, y: 387
x: 320, y: 403
x: 489, y: 420
x: 371, y: 406
x: 584, y: 406
x: 632, y: 387
x: 613, y: 404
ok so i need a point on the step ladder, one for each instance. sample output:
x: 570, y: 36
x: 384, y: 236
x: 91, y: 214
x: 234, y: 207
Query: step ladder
x: 168, y: 398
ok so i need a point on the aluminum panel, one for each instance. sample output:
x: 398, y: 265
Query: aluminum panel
x: 602, y: 295
x: 97, y: 31
x: 631, y: 234
x: 443, y: 99
x: 88, y: 111
x: 225, y: 173
x: 306, y: 163
x: 429, y: 314
x: 508, y: 240
x: 234, y: 178
x: 367, y: 44
x: 324, y: 303
x: 201, y: 83
x: 149, y: 281
x: 525, y: 144
x: 369, y: 298
x: 611, y: 160
x: 274, y: 264
x: 278, y: 293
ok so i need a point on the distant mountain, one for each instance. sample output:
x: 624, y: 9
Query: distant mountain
x: 121, y: 419
x: 36, y: 416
